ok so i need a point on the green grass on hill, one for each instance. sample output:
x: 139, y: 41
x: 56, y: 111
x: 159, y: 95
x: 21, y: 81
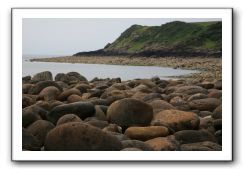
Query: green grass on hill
x: 173, y: 36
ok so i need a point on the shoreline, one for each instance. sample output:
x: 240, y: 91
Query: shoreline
x: 211, y: 68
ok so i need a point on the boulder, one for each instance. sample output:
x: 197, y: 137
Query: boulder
x: 76, y: 136
x: 206, y: 85
x: 201, y: 146
x: 26, y: 88
x: 98, y: 123
x: 146, y: 133
x: 41, y: 85
x: 177, y: 120
x: 197, y: 96
x: 215, y: 94
x: 179, y: 103
x: 113, y: 128
x: 39, y: 129
x: 130, y: 112
x: 163, y: 144
x: 31, y: 114
x: 208, y: 104
x: 81, y: 109
x: 62, y: 77
x: 30, y: 142
x: 218, y: 85
x: 68, y: 118
x: 49, y: 93
x: 190, y: 90
x: 65, y: 94
x: 99, y: 113
x: 74, y: 98
x: 160, y: 105
x: 217, y: 113
x: 131, y: 149
x: 136, y: 144
x: 74, y: 76
x: 193, y: 136
x: 42, y: 76
x: 27, y: 100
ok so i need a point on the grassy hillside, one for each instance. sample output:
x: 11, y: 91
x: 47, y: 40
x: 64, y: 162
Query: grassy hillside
x: 170, y: 38
x: 176, y: 36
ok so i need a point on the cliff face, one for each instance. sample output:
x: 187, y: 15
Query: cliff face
x: 174, y: 38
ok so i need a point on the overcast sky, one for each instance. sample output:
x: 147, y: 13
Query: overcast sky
x: 57, y: 37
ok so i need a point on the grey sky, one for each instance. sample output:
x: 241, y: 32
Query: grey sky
x: 59, y: 37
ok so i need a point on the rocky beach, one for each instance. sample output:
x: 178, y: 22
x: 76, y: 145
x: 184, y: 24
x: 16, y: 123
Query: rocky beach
x: 69, y: 113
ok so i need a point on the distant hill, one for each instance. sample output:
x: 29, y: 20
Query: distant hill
x: 170, y: 39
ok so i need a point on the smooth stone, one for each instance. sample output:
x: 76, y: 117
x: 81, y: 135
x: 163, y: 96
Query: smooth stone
x: 65, y: 94
x: 99, y: 113
x: 163, y: 144
x: 197, y: 96
x: 81, y: 109
x: 43, y: 84
x: 74, y: 98
x: 98, y: 123
x: 74, y: 76
x: 177, y: 120
x: 130, y: 112
x: 190, y: 90
x: 201, y: 146
x: 208, y: 104
x: 39, y: 129
x: 217, y: 113
x: 62, y: 77
x: 30, y: 142
x: 42, y: 76
x: 113, y: 128
x: 215, y: 94
x: 26, y: 88
x: 68, y: 118
x: 137, y: 144
x: 218, y: 85
x: 160, y: 105
x: 217, y: 123
x: 146, y: 133
x: 27, y: 100
x: 49, y: 93
x: 193, y: 136
x: 31, y: 114
x: 131, y: 149
x: 179, y: 103
x: 76, y: 136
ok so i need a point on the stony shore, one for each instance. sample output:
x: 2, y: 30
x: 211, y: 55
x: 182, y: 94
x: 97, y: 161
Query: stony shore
x: 211, y: 68
x: 69, y: 113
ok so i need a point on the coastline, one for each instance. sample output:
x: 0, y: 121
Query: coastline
x: 210, y: 67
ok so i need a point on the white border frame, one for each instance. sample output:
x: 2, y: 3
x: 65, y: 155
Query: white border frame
x: 19, y: 155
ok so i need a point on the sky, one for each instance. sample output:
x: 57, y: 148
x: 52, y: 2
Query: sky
x: 65, y: 37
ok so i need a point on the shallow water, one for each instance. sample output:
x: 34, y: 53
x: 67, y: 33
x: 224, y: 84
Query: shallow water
x: 103, y: 71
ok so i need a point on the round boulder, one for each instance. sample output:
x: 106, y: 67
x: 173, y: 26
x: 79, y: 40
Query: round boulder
x: 201, y: 146
x: 208, y: 104
x: 130, y: 112
x: 49, y: 93
x: 177, y: 120
x: 68, y: 118
x: 81, y: 109
x: 146, y: 133
x: 193, y: 136
x: 137, y: 144
x: 39, y: 129
x: 163, y: 144
x: 76, y: 136
x: 42, y: 76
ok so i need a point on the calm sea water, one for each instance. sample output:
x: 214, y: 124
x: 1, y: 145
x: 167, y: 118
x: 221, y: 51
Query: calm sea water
x: 103, y: 71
